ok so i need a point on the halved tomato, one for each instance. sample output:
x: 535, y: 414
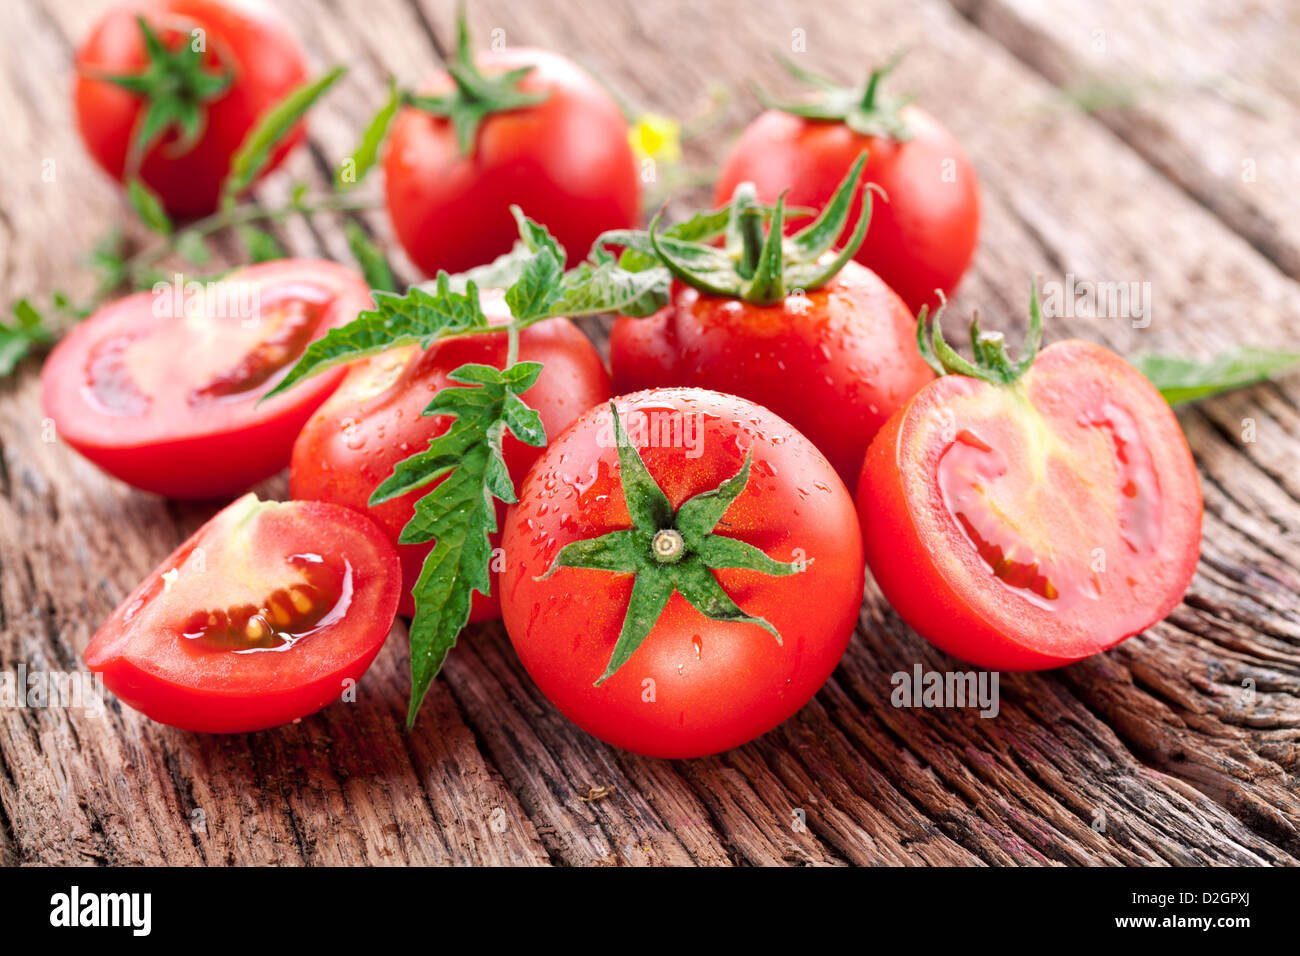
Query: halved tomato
x: 161, y: 388
x: 1036, y: 517
x: 263, y: 616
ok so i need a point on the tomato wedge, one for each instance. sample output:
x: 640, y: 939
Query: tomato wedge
x: 262, y: 617
x: 1028, y: 523
x: 161, y: 388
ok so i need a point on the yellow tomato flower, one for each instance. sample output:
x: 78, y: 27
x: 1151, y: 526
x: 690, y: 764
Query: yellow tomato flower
x: 658, y: 137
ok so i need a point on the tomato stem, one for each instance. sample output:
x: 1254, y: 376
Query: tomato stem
x: 512, y: 342
x: 758, y: 262
x: 668, y: 546
x: 991, y: 362
x: 863, y: 110
x: 242, y: 215
x: 475, y: 96
x: 683, y: 550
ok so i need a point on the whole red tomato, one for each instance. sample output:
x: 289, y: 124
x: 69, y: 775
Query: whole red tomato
x: 834, y: 356
x: 1026, y: 516
x: 835, y: 362
x: 923, y: 238
x: 224, y: 78
x: 268, y: 613
x: 374, y: 421
x: 558, y: 148
x: 690, y: 590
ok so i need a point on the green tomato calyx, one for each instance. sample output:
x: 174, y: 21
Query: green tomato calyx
x: 862, y: 109
x: 475, y: 96
x: 991, y: 362
x: 757, y: 261
x: 669, y: 551
x: 175, y: 86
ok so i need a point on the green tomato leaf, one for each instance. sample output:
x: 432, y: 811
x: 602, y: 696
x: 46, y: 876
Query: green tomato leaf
x: 374, y: 265
x: 460, y: 516
x: 458, y: 513
x: 421, y: 316
x: 594, y: 289
x: 536, y: 285
x: 17, y: 339
x: 524, y: 422
x: 192, y: 247
x: 366, y: 154
x: 13, y: 349
x: 255, y: 151
x: 148, y: 206
x: 1186, y: 380
x: 539, y: 286
x: 260, y: 244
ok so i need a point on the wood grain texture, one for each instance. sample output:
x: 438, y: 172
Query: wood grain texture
x: 1205, y: 91
x: 1150, y: 754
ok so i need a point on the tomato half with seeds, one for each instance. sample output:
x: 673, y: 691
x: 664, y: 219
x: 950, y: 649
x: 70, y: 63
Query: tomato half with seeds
x: 161, y: 389
x: 1024, y: 517
x: 265, y: 615
x: 248, y: 60
x: 684, y: 581
x: 375, y: 420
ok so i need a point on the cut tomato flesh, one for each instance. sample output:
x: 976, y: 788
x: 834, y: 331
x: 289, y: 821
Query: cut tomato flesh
x: 265, y: 339
x: 1049, y: 507
x: 966, y: 471
x: 1055, y: 517
x: 285, y: 334
x: 109, y: 384
x: 249, y: 624
x: 289, y: 614
x: 163, y: 389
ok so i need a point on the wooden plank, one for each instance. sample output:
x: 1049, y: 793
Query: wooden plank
x: 1034, y: 225
x: 1150, y: 754
x: 346, y: 787
x: 1206, y: 92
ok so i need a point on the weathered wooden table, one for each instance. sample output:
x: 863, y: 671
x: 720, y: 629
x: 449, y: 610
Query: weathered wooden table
x: 1116, y: 140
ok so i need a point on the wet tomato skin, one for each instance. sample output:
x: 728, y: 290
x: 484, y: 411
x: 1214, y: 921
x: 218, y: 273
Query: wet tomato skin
x: 923, y: 238
x: 251, y: 38
x: 172, y: 406
x: 374, y: 421
x: 835, y: 362
x: 1077, y: 485
x: 147, y: 660
x: 565, y: 161
x: 713, y: 685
